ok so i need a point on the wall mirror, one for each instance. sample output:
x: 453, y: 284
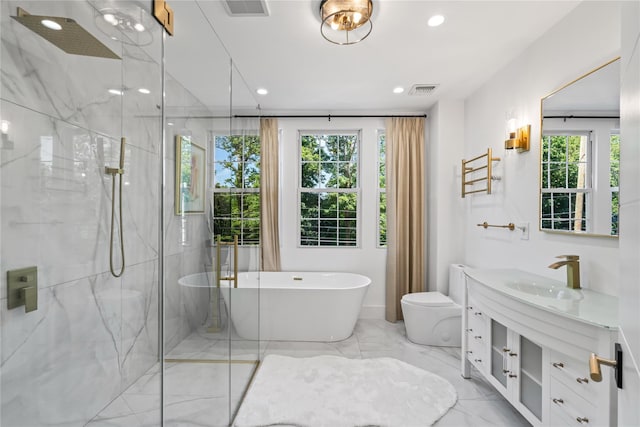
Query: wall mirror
x: 580, y: 155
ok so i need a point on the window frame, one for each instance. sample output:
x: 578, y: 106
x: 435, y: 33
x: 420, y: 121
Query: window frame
x: 356, y: 190
x: 587, y: 190
x: 380, y: 190
x: 232, y: 191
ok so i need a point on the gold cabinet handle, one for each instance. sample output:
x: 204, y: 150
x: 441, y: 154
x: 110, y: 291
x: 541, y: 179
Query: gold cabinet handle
x: 477, y: 313
x: 513, y: 376
x: 513, y: 354
x: 582, y: 420
x: 477, y: 337
x: 594, y: 366
x: 582, y: 380
x: 505, y: 350
x: 558, y: 401
x: 558, y: 365
x: 478, y: 360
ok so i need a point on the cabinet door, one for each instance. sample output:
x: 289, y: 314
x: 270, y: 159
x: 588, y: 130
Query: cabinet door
x: 530, y: 376
x: 499, y: 349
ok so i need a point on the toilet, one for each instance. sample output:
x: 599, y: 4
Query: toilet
x: 432, y: 318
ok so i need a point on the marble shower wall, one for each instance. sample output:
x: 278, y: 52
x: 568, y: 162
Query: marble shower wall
x: 93, y: 334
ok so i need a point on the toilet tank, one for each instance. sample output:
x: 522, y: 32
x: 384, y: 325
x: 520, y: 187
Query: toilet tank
x: 456, y: 282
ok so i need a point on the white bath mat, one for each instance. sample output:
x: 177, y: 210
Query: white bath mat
x: 335, y: 391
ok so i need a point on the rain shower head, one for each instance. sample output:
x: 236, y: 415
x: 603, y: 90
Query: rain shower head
x: 65, y: 33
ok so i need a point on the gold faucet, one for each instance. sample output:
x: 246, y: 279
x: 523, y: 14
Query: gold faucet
x: 573, y: 269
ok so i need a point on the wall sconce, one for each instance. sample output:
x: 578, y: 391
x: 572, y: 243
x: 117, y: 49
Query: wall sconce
x: 518, y: 138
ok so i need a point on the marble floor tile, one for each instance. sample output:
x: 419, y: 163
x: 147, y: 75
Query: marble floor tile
x: 207, y: 394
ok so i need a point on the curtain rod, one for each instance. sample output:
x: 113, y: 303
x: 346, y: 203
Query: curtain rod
x: 302, y: 116
x: 580, y: 117
x: 330, y: 116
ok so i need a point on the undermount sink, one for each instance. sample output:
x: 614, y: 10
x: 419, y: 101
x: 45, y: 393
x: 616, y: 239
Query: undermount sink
x: 546, y: 291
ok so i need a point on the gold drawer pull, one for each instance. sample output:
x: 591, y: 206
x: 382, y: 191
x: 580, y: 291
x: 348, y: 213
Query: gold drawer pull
x: 477, y: 337
x: 513, y: 376
x: 558, y: 401
x: 469, y: 351
x: 513, y: 354
x: 469, y: 330
x: 582, y: 380
x: 504, y: 371
x: 478, y: 360
x: 582, y: 420
x: 477, y: 313
x: 469, y: 307
x: 558, y: 365
x: 505, y: 350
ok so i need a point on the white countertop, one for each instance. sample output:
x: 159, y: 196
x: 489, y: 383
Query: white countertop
x: 551, y: 295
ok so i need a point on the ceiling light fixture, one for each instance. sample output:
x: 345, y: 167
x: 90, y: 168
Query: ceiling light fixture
x: 346, y: 22
x: 398, y: 90
x: 262, y: 91
x: 115, y: 92
x: 144, y: 91
x: 435, y: 20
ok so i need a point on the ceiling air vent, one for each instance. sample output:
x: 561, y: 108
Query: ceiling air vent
x: 421, y: 90
x: 246, y: 7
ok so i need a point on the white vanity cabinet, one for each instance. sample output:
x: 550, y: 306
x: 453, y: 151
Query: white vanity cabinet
x: 536, y: 352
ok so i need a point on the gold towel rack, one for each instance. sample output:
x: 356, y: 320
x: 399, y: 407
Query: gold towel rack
x: 511, y: 226
x: 468, y: 170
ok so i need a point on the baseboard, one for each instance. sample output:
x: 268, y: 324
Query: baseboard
x: 372, y: 312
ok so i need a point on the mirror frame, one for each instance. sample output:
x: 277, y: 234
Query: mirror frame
x: 561, y: 232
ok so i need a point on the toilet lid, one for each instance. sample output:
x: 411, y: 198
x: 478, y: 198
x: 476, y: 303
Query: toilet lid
x: 431, y: 299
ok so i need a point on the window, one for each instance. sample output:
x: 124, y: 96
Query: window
x: 614, y: 180
x: 236, y: 192
x: 329, y: 189
x: 566, y: 181
x: 382, y: 189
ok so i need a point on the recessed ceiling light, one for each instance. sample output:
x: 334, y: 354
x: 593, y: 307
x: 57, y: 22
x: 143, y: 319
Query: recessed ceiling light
x: 115, y: 92
x: 52, y: 25
x: 398, y: 89
x: 169, y: 124
x: 145, y: 91
x: 435, y: 20
x: 262, y: 91
x: 139, y: 27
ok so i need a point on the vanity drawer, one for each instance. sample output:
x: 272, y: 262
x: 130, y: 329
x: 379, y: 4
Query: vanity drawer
x: 569, y: 407
x: 477, y: 352
x: 574, y: 374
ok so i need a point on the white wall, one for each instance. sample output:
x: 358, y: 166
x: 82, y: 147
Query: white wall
x: 445, y: 207
x: 571, y: 48
x: 366, y: 259
x: 629, y: 413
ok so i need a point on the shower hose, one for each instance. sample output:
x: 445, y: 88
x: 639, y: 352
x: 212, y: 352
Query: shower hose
x: 113, y: 173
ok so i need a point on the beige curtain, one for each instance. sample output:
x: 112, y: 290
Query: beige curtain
x: 269, y: 230
x: 405, y: 211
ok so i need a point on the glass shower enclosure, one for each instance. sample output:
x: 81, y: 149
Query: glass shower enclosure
x: 152, y: 343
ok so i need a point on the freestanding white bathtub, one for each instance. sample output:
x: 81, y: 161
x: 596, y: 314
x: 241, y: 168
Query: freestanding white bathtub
x: 291, y: 306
